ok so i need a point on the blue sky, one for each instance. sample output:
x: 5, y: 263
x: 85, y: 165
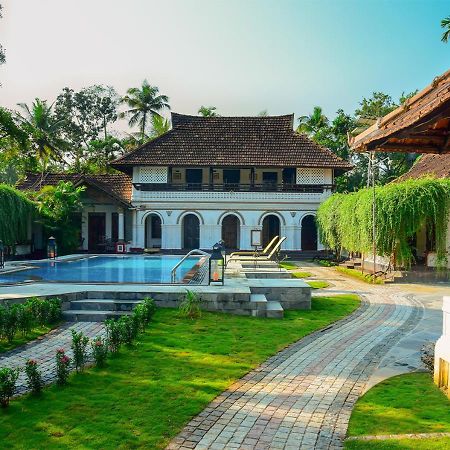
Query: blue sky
x: 242, y: 56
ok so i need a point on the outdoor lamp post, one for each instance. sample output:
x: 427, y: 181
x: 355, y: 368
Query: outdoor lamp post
x: 2, y: 255
x: 51, y: 248
x: 216, y: 265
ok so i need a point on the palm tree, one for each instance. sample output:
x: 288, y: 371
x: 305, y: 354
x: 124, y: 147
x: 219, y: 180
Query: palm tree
x: 143, y: 102
x: 44, y: 131
x: 160, y: 126
x: 313, y: 122
x: 445, y: 24
x: 208, y: 111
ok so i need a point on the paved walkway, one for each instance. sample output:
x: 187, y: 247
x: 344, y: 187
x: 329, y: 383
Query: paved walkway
x: 302, y: 397
x: 44, y: 351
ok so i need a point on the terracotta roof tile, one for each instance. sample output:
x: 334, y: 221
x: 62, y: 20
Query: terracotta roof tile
x: 434, y: 165
x: 232, y: 141
x: 117, y: 185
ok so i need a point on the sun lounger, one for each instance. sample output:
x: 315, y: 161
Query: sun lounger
x: 264, y: 257
x: 264, y: 252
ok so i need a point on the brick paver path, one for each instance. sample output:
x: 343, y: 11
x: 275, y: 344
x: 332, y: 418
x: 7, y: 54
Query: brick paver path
x: 44, y: 351
x: 302, y: 397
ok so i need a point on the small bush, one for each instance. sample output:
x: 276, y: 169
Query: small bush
x: 114, y: 335
x: 25, y: 319
x: 99, y: 351
x: 34, y: 377
x: 190, y: 305
x: 149, y: 309
x: 10, y: 322
x: 62, y: 367
x: 128, y: 329
x: 79, y: 344
x: 8, y: 378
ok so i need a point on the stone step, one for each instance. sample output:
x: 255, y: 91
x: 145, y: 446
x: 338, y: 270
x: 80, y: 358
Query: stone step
x: 274, y: 310
x: 258, y: 303
x: 79, y: 315
x: 101, y: 304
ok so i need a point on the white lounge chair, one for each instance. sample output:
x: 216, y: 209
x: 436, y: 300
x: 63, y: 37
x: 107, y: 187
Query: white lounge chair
x: 264, y: 257
x: 264, y: 252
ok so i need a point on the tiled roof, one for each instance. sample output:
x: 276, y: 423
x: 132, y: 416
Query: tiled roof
x: 117, y: 186
x: 434, y: 165
x: 420, y: 125
x: 231, y: 141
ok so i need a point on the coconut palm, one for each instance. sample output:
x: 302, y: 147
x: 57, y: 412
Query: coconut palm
x: 44, y: 131
x: 208, y: 111
x: 312, y: 123
x: 143, y: 102
x: 160, y: 126
x: 445, y: 24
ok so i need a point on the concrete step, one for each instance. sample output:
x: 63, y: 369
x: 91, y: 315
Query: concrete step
x: 274, y: 310
x: 74, y: 315
x: 258, y: 304
x: 101, y: 304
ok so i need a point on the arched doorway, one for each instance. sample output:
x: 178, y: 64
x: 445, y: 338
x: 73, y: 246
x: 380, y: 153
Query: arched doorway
x: 309, y: 233
x: 153, y: 231
x: 270, y: 228
x: 230, y: 232
x: 191, y: 232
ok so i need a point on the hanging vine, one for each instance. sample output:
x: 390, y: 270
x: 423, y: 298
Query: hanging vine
x: 15, y: 211
x: 402, y: 209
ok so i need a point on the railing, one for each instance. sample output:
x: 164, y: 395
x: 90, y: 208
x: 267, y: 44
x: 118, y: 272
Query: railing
x: 234, y: 187
x: 178, y: 264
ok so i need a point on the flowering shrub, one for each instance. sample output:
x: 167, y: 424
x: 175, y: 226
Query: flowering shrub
x: 34, y: 377
x: 99, y: 351
x: 8, y: 378
x: 129, y: 329
x: 79, y: 344
x: 62, y: 367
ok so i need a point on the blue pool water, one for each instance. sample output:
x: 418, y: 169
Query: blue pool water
x: 105, y: 269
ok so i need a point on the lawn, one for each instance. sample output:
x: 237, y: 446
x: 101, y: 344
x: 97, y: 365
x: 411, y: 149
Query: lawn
x: 318, y: 284
x: 404, y: 404
x: 367, y: 278
x: 19, y: 339
x: 147, y: 393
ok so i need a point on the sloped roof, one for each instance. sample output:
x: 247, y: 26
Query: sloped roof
x: 420, y: 125
x: 117, y: 185
x: 434, y: 165
x: 231, y: 141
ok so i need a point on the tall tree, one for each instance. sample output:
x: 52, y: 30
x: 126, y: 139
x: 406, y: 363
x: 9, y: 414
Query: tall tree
x: 208, y: 111
x: 144, y: 102
x: 44, y: 132
x: 2, y: 52
x: 160, y: 126
x: 312, y: 123
x: 85, y: 115
x: 445, y: 24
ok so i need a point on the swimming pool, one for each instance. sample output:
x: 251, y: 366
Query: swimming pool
x: 105, y: 269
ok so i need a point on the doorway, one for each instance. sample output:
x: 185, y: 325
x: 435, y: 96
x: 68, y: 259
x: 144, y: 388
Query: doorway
x: 230, y: 232
x: 153, y: 231
x: 270, y: 228
x: 191, y: 232
x: 309, y: 233
x: 96, y: 231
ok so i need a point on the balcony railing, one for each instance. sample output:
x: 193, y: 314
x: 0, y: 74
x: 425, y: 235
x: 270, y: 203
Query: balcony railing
x: 234, y: 187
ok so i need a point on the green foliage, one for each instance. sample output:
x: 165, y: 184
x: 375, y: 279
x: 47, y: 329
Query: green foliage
x: 79, y: 344
x: 8, y: 378
x: 318, y: 284
x: 99, y: 351
x: 15, y: 209
x: 402, y: 209
x: 445, y: 25
x: 58, y: 206
x: 34, y: 377
x: 366, y: 277
x: 190, y: 305
x: 143, y: 103
x: 208, y: 111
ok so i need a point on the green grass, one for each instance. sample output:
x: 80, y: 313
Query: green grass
x: 325, y: 263
x: 400, y: 444
x: 19, y: 339
x: 288, y: 265
x: 301, y: 274
x: 367, y: 278
x: 318, y: 284
x: 404, y: 404
x: 147, y: 393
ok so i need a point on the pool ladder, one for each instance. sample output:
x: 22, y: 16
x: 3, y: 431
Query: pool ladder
x: 178, y: 264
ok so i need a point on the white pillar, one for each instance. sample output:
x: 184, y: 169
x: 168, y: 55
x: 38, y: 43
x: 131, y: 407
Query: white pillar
x: 121, y: 225
x: 108, y: 224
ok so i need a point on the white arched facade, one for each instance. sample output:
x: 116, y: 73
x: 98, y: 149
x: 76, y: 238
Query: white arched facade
x: 211, y: 226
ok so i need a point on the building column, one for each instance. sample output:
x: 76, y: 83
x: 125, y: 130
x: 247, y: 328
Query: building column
x: 108, y: 225
x: 121, y: 225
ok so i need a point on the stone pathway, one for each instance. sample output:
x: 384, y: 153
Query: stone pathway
x: 302, y: 397
x: 44, y: 351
